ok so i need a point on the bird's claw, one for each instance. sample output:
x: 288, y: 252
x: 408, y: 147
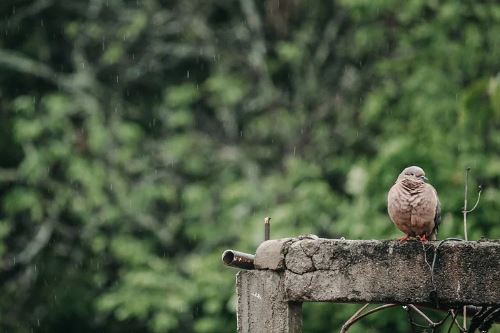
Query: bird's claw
x: 403, y: 239
x: 423, y: 238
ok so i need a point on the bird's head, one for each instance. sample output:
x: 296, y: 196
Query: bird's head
x: 413, y: 174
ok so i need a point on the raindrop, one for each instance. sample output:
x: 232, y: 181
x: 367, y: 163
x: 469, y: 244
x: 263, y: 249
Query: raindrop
x: 187, y: 74
x: 111, y: 187
x: 241, y: 133
x: 41, y: 23
x: 117, y: 79
x: 83, y: 65
x: 294, y: 150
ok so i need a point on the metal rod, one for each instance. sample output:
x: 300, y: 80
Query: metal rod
x: 238, y: 259
x: 267, y: 228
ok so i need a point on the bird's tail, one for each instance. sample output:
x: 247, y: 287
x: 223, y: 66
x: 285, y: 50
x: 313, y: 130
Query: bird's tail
x: 433, y: 235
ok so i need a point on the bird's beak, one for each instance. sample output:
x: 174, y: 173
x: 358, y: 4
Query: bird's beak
x: 424, y: 179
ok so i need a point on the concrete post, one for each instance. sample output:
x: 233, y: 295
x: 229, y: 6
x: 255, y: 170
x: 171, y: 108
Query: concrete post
x: 262, y: 307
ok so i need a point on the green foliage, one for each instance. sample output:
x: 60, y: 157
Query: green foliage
x: 141, y: 139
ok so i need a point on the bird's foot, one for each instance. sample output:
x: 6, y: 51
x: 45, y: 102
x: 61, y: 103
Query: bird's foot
x: 422, y: 238
x: 403, y: 239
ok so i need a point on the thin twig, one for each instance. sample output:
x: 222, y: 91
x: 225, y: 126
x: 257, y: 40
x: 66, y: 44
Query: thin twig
x: 458, y: 325
x: 431, y: 267
x: 477, y: 201
x: 355, y: 315
x: 465, y: 211
x: 353, y: 319
x: 466, y: 184
x: 437, y: 248
x: 442, y: 321
x: 423, y: 315
x: 453, y: 316
x: 431, y: 324
x: 413, y: 324
x: 410, y: 319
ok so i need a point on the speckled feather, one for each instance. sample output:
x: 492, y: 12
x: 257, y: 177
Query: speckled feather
x: 413, y: 205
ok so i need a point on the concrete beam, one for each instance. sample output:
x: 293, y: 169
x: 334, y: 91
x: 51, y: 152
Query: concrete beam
x: 382, y: 271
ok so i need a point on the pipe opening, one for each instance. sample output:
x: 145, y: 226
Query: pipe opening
x: 228, y: 257
x: 238, y: 259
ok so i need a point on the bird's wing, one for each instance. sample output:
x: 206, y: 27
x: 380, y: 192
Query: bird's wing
x: 437, y: 216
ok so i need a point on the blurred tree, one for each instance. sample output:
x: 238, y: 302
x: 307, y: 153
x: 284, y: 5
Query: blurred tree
x: 140, y: 139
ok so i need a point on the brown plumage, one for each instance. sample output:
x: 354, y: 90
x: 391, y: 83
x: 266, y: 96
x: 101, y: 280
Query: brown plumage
x: 413, y: 205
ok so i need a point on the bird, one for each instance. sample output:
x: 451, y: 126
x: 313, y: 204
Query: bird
x: 413, y: 205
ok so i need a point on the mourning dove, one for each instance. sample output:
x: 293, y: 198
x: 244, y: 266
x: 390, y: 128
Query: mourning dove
x: 413, y: 205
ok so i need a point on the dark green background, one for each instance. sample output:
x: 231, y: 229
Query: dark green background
x: 139, y: 139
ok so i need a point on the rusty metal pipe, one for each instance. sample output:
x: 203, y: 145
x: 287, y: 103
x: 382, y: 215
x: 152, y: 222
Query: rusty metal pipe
x: 238, y: 259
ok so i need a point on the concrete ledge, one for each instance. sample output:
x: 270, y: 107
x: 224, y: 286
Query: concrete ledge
x: 385, y: 271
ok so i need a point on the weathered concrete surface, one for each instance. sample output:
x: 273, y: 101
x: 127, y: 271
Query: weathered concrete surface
x: 270, y: 254
x: 262, y: 306
x: 386, y: 271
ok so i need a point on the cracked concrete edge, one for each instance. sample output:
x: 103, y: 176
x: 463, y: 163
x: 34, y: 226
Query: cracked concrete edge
x: 305, y: 254
x: 386, y: 271
x: 271, y: 254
